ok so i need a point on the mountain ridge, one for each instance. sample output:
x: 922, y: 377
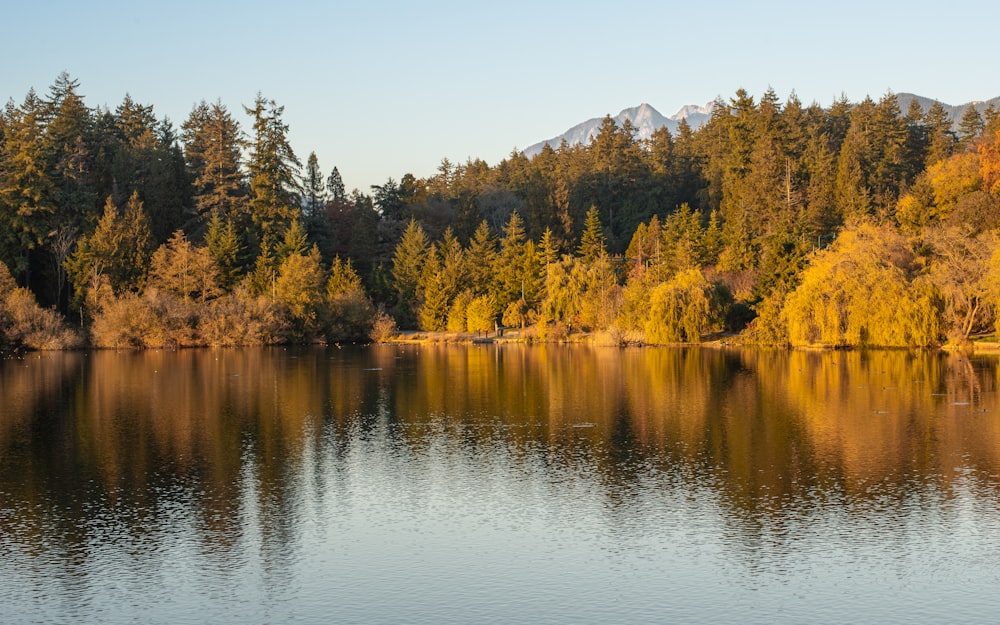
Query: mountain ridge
x: 648, y: 120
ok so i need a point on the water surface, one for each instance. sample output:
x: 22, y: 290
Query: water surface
x: 486, y: 484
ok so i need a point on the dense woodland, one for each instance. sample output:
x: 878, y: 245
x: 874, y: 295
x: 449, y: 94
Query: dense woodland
x: 847, y: 225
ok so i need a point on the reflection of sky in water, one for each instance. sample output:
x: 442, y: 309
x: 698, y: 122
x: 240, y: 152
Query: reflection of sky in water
x: 457, y: 485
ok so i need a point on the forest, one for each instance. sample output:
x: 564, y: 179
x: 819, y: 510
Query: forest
x: 776, y: 223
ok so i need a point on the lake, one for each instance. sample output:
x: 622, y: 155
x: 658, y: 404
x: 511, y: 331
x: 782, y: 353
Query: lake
x: 499, y: 484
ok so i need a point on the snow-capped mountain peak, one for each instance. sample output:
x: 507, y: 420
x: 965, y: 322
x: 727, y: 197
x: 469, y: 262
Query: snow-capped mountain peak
x: 644, y: 118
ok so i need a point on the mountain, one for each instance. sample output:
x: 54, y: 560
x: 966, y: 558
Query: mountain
x: 647, y: 119
x: 644, y: 117
x: 955, y: 112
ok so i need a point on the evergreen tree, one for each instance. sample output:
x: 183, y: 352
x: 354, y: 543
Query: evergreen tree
x: 481, y: 258
x: 119, y: 249
x: 273, y: 169
x: 223, y: 245
x: 407, y: 265
x: 314, y: 195
x: 941, y: 139
x: 970, y: 127
x: 592, y: 241
x: 508, y: 272
x: 335, y: 186
x: 26, y: 189
x: 185, y: 270
x: 213, y: 143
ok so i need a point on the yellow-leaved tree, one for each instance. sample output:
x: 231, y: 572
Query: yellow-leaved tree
x: 867, y: 289
x: 679, y: 309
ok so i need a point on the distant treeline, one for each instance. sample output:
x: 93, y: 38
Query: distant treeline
x: 853, y: 224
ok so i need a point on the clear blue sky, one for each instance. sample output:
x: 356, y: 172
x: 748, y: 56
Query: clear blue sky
x: 382, y: 88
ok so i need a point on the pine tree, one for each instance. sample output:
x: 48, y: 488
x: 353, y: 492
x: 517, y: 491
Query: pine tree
x: 224, y: 247
x: 970, y: 127
x: 335, y: 186
x: 119, y: 249
x: 26, y: 189
x: 941, y: 139
x: 592, y: 240
x: 314, y: 195
x: 185, y: 270
x: 481, y: 257
x: 508, y: 271
x: 407, y: 265
x: 213, y: 143
x: 273, y: 169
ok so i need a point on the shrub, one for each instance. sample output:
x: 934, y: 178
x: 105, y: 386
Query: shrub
x: 383, y: 327
x: 27, y: 325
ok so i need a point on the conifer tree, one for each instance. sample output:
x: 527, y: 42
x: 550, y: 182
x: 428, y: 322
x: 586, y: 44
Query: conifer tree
x: 481, y: 258
x: 223, y: 245
x: 119, y: 249
x: 970, y: 127
x: 26, y: 189
x: 213, y: 143
x: 407, y: 266
x: 314, y: 195
x: 185, y: 270
x: 335, y: 186
x: 592, y: 240
x: 273, y: 169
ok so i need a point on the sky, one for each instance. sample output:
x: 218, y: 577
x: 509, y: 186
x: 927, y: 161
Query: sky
x: 380, y: 89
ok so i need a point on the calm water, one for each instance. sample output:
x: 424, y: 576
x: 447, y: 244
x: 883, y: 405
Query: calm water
x: 499, y: 485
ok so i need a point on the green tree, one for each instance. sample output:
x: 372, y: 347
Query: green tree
x: 481, y: 258
x: 314, y: 194
x: 223, y: 245
x: 273, y: 169
x: 592, y: 241
x: 26, y: 188
x: 970, y: 127
x: 213, y: 143
x: 351, y: 312
x: 407, y: 265
x: 119, y: 249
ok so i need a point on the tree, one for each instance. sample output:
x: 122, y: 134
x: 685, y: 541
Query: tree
x: 970, y: 127
x: 389, y: 199
x: 185, y: 270
x: 941, y: 139
x: 213, y: 142
x: 679, y: 309
x: 407, y: 265
x: 592, y: 241
x: 223, y: 245
x: 508, y: 273
x: 960, y: 272
x: 481, y: 315
x: 351, y: 313
x: 481, y: 258
x: 335, y: 186
x: 833, y: 303
x: 119, y: 249
x: 314, y: 194
x: 299, y: 287
x: 147, y: 161
x: 273, y: 169
x: 26, y: 189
